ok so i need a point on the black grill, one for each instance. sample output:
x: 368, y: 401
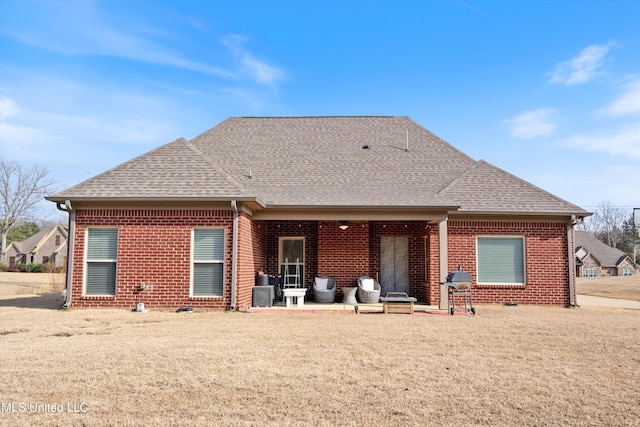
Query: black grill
x: 459, y: 284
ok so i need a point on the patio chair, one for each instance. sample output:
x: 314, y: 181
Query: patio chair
x: 324, y: 289
x: 368, y: 290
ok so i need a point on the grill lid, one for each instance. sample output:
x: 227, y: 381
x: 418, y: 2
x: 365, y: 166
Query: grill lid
x: 459, y: 277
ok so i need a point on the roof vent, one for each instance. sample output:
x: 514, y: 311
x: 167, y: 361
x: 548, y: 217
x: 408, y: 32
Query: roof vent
x: 365, y: 147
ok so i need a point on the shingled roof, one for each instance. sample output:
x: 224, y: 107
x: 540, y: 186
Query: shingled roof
x: 320, y: 162
x: 606, y: 255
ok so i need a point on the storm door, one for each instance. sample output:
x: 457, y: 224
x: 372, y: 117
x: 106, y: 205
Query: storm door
x: 394, y: 264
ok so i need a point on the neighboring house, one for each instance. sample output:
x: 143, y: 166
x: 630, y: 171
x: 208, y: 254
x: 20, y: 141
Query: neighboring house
x: 594, y: 258
x: 47, y: 246
x: 191, y: 222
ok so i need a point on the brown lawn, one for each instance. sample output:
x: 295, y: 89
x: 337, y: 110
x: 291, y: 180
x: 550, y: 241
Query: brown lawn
x: 610, y: 287
x: 506, y: 366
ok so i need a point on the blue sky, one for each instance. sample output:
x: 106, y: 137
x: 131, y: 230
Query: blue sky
x: 547, y: 90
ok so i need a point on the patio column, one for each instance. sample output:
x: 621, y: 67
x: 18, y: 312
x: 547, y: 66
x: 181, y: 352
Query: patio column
x: 444, y: 261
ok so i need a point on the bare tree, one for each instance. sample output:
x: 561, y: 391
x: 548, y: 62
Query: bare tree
x: 608, y: 221
x: 21, y: 188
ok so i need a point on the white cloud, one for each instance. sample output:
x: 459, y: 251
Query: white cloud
x: 628, y: 102
x: 8, y: 108
x: 533, y: 123
x: 583, y: 68
x: 624, y: 141
x: 259, y: 70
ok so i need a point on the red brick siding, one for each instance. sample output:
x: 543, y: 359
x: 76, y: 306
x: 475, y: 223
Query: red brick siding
x: 344, y: 254
x: 251, y: 257
x: 154, y: 247
x: 546, y: 273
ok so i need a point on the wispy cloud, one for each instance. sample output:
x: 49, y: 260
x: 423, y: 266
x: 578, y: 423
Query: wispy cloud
x: 582, y: 68
x: 259, y: 70
x: 628, y: 102
x: 79, y: 28
x: 621, y: 141
x: 8, y: 108
x: 533, y: 123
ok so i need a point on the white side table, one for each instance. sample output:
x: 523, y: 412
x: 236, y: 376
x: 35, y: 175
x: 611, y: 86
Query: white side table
x: 297, y: 293
x: 349, y: 295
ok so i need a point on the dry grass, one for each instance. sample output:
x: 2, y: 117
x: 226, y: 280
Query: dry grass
x: 610, y: 287
x: 505, y: 366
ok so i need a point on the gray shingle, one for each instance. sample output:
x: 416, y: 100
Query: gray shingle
x: 320, y: 161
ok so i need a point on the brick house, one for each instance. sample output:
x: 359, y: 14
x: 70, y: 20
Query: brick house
x: 46, y: 247
x: 191, y: 222
x: 594, y: 258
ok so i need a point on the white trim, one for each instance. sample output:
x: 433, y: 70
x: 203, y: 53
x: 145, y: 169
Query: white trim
x: 192, y: 261
x: 86, y: 261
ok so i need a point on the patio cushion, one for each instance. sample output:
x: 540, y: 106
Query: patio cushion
x: 367, y: 284
x: 321, y: 283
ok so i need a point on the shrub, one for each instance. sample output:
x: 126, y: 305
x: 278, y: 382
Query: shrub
x: 34, y: 268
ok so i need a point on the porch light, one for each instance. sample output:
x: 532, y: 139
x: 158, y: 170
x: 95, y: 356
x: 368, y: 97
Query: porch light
x: 343, y: 225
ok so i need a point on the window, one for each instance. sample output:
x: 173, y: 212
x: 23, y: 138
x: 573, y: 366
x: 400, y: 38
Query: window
x: 57, y: 240
x: 102, y: 254
x: 627, y: 271
x: 208, y: 262
x: 501, y: 260
x: 590, y: 272
x: 291, y: 259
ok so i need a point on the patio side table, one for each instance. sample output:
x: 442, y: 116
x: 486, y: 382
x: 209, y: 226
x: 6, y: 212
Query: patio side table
x: 350, y: 295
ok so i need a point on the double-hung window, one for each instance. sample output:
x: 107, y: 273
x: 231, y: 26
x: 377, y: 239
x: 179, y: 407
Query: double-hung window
x: 208, y: 262
x: 501, y: 260
x: 101, y: 261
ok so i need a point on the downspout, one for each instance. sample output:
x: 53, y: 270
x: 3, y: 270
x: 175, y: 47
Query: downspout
x: 70, y: 248
x: 572, y: 260
x: 234, y: 255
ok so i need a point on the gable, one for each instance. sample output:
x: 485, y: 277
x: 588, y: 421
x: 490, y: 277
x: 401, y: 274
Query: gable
x: 606, y: 255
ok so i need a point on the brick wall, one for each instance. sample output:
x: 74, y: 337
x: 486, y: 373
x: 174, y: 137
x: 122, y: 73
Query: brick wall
x: 251, y: 257
x: 344, y: 254
x: 154, y: 247
x: 546, y: 250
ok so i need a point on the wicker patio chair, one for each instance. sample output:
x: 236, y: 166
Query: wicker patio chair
x: 324, y: 289
x: 368, y: 290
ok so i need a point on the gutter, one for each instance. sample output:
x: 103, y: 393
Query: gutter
x: 70, y: 248
x: 234, y: 254
x: 572, y: 259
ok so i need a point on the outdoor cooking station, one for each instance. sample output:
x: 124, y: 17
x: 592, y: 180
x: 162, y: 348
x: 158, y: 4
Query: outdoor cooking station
x: 459, y: 285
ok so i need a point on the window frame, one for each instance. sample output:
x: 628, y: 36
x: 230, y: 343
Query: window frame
x: 213, y: 261
x: 87, y: 261
x: 479, y: 280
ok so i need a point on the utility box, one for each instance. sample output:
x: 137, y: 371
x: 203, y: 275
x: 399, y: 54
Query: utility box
x: 263, y: 296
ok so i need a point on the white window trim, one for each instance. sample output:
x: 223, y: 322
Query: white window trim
x: 524, y: 260
x: 86, y: 262
x: 193, y: 261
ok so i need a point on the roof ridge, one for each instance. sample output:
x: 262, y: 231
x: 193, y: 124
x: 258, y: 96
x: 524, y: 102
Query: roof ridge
x: 459, y: 177
x: 215, y: 166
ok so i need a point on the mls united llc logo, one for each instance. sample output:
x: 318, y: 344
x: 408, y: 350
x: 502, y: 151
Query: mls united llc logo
x: 35, y: 407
